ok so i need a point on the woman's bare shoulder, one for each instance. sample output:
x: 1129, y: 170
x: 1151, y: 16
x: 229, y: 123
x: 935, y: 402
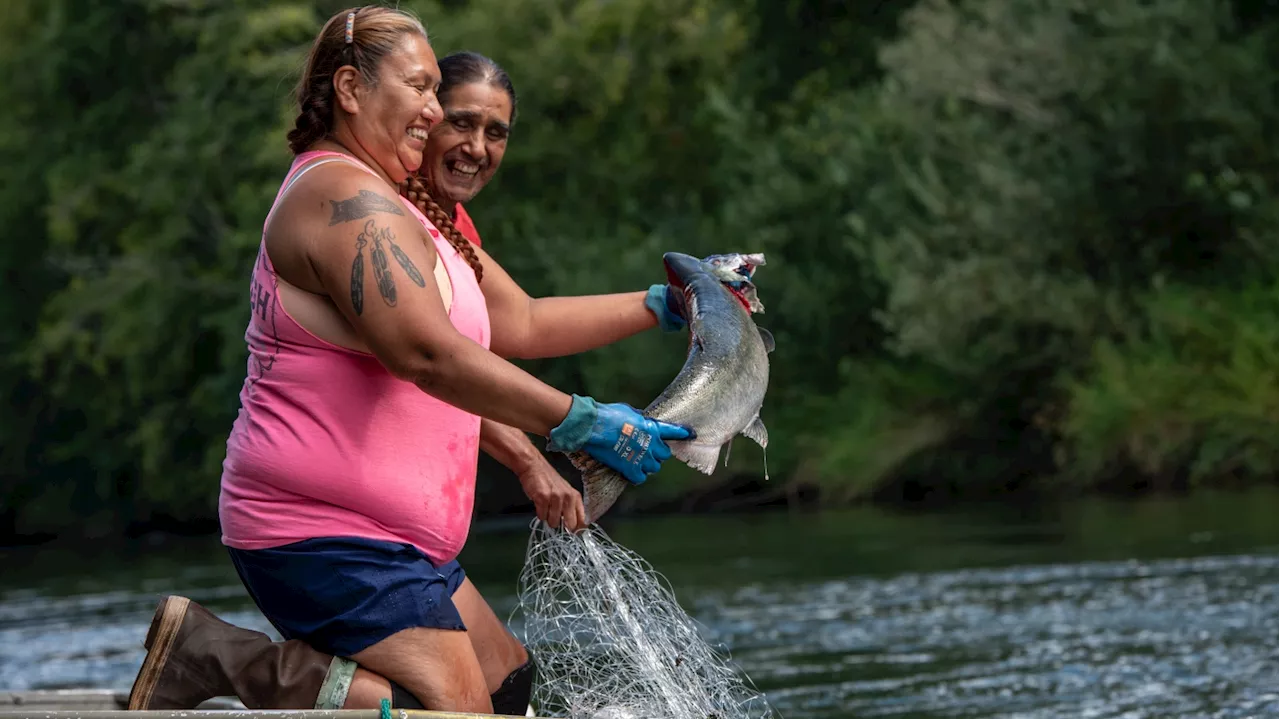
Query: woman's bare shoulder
x: 340, y: 191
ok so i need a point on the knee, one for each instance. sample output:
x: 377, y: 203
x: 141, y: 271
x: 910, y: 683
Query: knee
x: 516, y: 690
x: 521, y: 654
x: 402, y: 698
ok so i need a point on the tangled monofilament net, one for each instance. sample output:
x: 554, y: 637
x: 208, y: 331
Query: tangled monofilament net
x: 611, y: 642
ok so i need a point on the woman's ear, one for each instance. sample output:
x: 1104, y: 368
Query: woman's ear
x: 346, y: 85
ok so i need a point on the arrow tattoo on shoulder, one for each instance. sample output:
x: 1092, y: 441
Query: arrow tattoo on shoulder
x: 362, y: 205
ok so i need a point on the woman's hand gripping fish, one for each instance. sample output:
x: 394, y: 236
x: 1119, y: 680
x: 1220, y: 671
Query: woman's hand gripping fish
x: 722, y: 385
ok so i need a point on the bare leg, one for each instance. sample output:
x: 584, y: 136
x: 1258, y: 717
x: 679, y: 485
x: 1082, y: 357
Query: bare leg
x: 438, y: 666
x: 497, y: 649
x: 367, y: 690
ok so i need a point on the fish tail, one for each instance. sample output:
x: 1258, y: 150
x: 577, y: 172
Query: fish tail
x: 601, y: 486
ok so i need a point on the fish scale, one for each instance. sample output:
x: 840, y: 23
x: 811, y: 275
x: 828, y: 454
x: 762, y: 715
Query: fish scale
x: 721, y: 387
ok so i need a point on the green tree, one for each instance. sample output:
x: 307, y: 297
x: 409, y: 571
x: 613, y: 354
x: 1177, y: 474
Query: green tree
x: 153, y: 214
x: 1045, y: 166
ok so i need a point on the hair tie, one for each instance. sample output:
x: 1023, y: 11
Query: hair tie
x: 351, y: 26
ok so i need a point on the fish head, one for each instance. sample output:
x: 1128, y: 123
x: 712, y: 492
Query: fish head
x: 733, y: 270
x: 742, y: 265
x: 681, y: 268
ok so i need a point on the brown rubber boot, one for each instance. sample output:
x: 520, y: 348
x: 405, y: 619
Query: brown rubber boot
x: 193, y: 656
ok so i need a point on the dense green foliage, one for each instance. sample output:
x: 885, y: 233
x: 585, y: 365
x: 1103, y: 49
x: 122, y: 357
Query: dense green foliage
x: 1012, y: 243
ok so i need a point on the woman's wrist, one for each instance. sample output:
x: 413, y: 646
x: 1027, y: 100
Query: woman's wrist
x: 659, y: 301
x: 575, y: 429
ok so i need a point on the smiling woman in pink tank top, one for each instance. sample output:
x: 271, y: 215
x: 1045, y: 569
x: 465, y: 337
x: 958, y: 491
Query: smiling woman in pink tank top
x: 377, y: 342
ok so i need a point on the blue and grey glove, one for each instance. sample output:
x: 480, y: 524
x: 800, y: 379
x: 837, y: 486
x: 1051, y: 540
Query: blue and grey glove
x: 667, y: 304
x: 618, y: 436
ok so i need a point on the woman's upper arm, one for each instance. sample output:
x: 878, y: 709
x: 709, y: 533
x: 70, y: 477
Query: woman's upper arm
x: 370, y: 256
x: 510, y: 308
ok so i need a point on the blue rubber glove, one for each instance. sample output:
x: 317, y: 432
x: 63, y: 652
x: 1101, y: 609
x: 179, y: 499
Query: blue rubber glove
x: 617, y: 436
x: 667, y: 304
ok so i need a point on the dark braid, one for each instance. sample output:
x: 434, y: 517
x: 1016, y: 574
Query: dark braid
x: 315, y: 118
x: 414, y: 189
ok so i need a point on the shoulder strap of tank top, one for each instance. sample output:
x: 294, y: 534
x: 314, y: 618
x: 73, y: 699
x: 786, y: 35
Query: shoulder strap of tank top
x: 325, y: 157
x: 296, y: 173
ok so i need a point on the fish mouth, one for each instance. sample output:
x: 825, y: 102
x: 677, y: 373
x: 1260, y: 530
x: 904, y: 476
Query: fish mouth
x: 741, y: 296
x: 734, y: 271
x: 681, y: 268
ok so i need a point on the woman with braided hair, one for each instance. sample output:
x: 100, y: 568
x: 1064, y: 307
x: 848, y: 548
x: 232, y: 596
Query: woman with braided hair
x: 376, y: 341
x: 463, y: 153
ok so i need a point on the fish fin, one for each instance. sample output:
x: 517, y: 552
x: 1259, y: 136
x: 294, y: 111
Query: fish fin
x: 756, y: 430
x: 601, y: 486
x: 767, y: 337
x: 728, y: 446
x: 701, y: 457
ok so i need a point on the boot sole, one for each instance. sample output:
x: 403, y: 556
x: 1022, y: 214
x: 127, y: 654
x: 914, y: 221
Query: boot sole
x: 164, y: 629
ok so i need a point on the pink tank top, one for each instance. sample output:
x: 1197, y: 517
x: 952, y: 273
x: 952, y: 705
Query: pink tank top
x: 328, y: 443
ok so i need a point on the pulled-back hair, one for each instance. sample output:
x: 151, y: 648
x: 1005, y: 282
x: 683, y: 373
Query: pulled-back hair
x: 375, y: 33
x: 466, y: 68
x: 460, y: 68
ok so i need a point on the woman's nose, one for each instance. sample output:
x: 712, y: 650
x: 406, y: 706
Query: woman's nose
x: 474, y: 144
x: 431, y: 110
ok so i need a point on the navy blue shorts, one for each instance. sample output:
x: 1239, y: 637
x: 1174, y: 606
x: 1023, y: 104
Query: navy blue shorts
x: 345, y: 594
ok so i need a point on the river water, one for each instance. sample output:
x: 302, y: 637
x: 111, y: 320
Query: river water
x: 1096, y: 608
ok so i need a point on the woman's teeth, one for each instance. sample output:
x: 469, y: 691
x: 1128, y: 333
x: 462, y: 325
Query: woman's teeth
x: 417, y: 133
x: 464, y: 169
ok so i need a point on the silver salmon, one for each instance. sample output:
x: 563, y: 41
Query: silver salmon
x: 720, y: 389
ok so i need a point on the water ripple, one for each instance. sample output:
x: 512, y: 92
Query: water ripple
x: 1132, y: 639
x: 1186, y: 637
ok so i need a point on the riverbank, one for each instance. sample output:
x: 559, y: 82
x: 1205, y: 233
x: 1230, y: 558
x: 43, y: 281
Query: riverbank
x: 693, y: 495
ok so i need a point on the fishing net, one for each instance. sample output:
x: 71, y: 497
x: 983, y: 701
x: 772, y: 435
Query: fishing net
x: 611, y: 642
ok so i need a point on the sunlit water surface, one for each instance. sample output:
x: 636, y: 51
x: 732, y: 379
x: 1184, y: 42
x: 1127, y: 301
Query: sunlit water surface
x: 1158, y: 608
